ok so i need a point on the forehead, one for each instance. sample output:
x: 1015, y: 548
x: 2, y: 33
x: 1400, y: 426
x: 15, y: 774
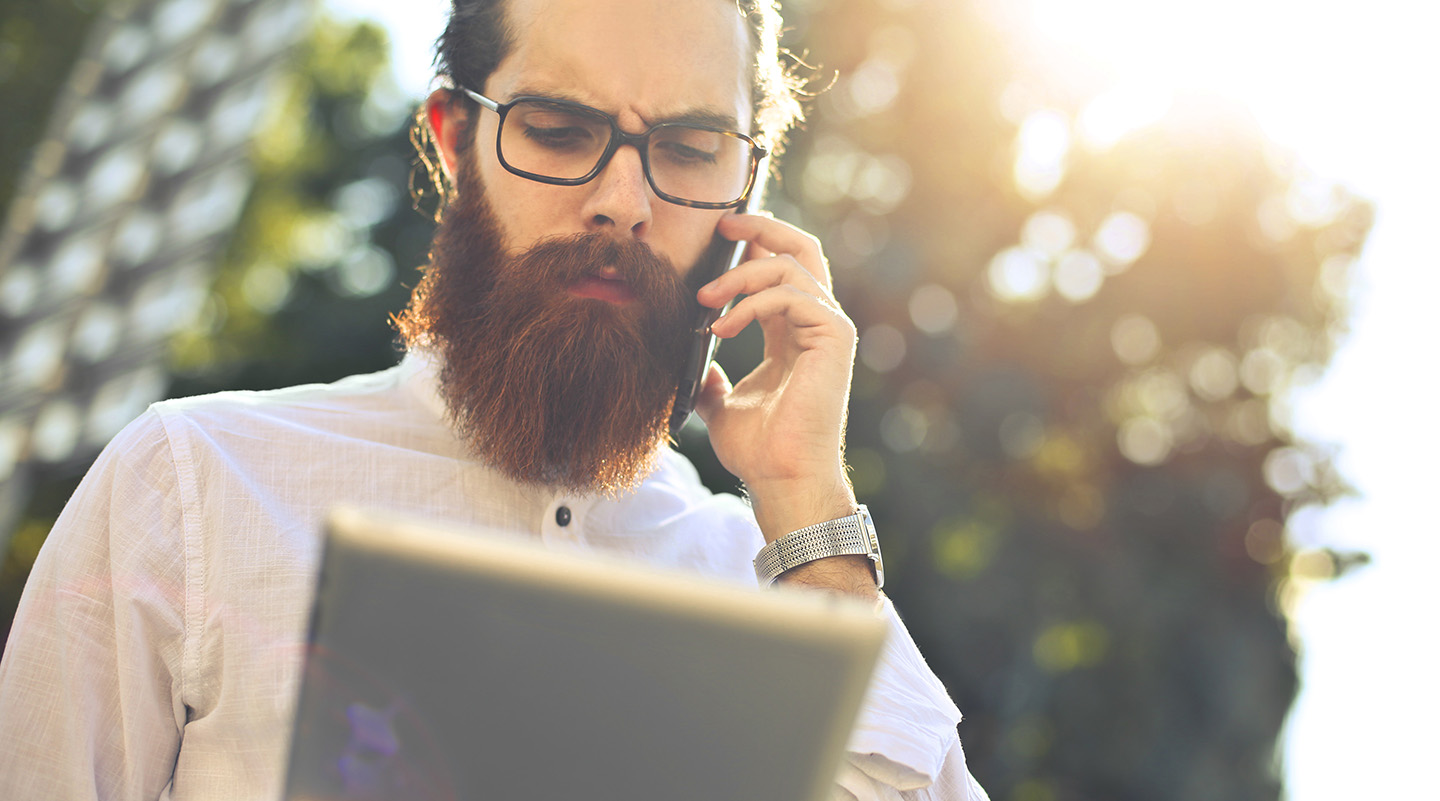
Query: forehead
x: 641, y: 60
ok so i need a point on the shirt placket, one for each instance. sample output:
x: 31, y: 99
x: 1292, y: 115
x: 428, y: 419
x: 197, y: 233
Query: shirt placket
x: 565, y: 521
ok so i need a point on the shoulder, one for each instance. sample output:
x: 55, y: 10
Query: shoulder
x: 383, y: 408
x: 313, y: 402
x: 165, y: 457
x: 222, y: 447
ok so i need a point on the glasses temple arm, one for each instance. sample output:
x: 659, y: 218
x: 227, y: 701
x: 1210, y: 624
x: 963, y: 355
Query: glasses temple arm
x: 481, y: 99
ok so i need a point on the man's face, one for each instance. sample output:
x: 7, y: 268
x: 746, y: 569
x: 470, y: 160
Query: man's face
x: 643, y: 62
x: 551, y: 373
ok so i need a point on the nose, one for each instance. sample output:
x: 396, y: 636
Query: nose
x: 620, y: 201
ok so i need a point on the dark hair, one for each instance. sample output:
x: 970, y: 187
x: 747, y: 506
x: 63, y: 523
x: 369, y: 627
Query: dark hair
x: 478, y: 36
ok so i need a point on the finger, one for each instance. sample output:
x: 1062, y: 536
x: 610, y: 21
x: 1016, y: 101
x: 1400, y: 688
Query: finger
x: 712, y: 392
x: 760, y: 274
x: 796, y: 307
x: 778, y: 236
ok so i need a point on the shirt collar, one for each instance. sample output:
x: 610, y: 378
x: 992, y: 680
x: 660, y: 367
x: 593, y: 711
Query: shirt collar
x: 420, y: 375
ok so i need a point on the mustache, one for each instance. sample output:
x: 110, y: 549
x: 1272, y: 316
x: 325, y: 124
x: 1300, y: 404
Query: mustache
x: 548, y: 267
x: 571, y: 257
x: 557, y: 262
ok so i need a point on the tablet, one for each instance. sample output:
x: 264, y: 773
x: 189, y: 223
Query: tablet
x: 461, y: 664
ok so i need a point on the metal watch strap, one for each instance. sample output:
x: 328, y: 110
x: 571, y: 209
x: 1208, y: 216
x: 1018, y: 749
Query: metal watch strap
x: 851, y: 535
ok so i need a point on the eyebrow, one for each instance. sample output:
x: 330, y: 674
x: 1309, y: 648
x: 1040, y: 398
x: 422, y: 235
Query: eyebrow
x: 698, y: 115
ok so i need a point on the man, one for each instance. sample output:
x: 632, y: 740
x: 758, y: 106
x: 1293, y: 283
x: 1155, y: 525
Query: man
x: 597, y: 150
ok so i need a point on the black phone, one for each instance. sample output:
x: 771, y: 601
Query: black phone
x: 703, y: 344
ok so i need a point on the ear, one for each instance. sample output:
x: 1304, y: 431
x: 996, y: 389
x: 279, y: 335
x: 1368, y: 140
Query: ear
x: 445, y: 118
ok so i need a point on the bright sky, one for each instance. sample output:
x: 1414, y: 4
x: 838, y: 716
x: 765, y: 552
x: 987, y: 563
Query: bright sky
x: 1352, y: 89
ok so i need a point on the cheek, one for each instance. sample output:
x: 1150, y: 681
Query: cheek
x: 526, y: 211
x: 688, y: 234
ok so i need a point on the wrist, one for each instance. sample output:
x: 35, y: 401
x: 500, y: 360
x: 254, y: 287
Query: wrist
x: 847, y: 575
x: 790, y: 505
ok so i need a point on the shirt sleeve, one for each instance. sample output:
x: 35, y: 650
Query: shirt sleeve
x: 905, y: 744
x: 857, y: 780
x: 91, y: 682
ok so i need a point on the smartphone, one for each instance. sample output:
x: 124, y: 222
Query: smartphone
x: 703, y: 344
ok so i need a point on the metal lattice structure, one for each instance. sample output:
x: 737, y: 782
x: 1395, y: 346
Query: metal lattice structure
x: 109, y: 247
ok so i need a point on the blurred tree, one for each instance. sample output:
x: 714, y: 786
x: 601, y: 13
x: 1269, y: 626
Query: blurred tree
x: 321, y: 256
x: 38, y: 44
x: 326, y: 248
x: 1068, y: 412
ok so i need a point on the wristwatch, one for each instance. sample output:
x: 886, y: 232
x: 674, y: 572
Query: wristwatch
x: 854, y: 534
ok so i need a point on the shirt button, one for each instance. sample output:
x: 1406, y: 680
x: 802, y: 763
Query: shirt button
x: 562, y: 516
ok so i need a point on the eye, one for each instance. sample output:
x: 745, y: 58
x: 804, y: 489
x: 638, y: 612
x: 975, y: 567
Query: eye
x: 690, y: 147
x: 569, y: 137
x: 557, y: 129
x: 684, y: 154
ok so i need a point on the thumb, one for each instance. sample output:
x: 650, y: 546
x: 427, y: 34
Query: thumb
x: 712, y: 393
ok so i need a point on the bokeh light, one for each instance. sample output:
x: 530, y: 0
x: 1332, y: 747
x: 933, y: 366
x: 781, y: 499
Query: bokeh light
x: 1041, y: 147
x: 1018, y: 275
x: 882, y: 347
x: 1135, y: 339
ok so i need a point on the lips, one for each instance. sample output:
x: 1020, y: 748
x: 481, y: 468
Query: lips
x: 607, y: 286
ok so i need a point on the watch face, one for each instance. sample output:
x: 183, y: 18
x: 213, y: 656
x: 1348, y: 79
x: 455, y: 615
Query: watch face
x: 873, y: 540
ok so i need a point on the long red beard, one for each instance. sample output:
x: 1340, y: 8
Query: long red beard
x: 550, y: 388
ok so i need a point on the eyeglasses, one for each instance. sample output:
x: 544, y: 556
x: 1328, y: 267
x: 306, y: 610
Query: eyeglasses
x: 567, y: 144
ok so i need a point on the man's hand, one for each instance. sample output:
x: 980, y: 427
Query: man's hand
x: 781, y: 429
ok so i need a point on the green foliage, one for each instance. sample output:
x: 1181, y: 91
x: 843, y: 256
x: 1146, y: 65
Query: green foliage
x: 314, y: 270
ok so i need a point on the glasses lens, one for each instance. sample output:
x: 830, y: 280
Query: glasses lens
x: 552, y: 140
x: 699, y: 165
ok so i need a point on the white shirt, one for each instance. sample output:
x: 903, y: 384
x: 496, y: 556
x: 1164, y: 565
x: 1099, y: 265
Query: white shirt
x: 157, y: 650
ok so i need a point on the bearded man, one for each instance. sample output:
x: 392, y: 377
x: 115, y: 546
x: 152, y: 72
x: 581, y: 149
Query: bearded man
x: 594, y: 155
